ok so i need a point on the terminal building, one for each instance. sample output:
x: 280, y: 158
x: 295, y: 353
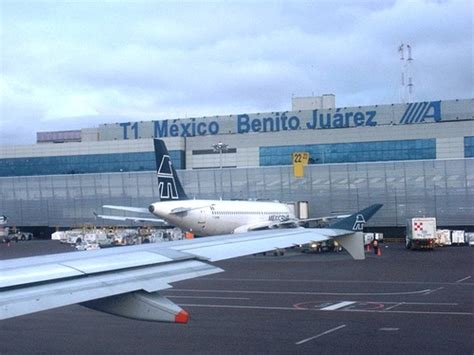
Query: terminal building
x: 415, y: 158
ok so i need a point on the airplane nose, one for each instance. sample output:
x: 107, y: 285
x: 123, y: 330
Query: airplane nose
x: 151, y: 208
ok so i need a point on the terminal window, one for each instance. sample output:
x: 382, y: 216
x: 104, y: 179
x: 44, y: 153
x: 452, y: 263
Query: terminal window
x: 85, y: 164
x: 413, y: 149
x: 469, y: 147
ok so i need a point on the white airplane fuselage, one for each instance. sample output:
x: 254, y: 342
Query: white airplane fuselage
x: 214, y: 217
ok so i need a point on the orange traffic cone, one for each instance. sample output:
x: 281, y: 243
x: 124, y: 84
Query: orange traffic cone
x: 379, y: 251
x: 367, y: 247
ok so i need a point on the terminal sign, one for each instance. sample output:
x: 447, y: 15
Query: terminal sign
x: 276, y: 122
x: 300, y: 160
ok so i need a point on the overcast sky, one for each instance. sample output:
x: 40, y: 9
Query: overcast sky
x: 70, y: 65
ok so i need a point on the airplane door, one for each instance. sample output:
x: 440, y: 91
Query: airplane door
x: 202, y: 219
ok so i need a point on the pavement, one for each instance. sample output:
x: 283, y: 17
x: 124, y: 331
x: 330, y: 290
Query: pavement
x: 400, y: 302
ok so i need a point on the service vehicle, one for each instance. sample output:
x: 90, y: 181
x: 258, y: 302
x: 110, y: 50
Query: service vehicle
x: 16, y: 236
x: 443, y: 237
x: 325, y: 245
x: 421, y: 233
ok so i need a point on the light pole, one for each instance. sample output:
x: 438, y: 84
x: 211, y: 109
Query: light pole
x: 220, y: 148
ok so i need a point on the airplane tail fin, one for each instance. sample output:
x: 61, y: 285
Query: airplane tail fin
x: 356, y: 222
x: 169, y: 186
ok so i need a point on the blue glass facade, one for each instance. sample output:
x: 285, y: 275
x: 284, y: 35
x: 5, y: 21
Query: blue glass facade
x: 84, y: 164
x: 468, y: 147
x: 412, y: 149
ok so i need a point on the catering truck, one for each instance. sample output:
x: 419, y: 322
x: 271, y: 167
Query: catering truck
x: 421, y: 233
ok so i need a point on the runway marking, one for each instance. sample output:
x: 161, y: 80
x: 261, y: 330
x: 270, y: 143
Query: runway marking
x: 209, y: 297
x: 417, y: 312
x: 360, y: 305
x: 394, y: 306
x: 275, y: 308
x: 332, y: 281
x: 337, y: 306
x: 464, y: 279
x: 320, y: 335
x: 307, y: 293
x: 431, y: 291
x: 427, y: 303
x: 389, y: 329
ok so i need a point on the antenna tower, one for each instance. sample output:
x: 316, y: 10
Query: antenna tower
x: 406, y: 83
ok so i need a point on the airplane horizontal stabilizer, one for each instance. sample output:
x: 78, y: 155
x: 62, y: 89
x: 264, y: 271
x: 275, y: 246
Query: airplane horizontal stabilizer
x: 131, y: 219
x: 126, y: 208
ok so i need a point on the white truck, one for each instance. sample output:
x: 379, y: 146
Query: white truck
x: 421, y: 233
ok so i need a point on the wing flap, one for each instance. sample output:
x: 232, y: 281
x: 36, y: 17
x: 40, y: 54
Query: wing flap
x: 35, y: 298
x: 32, y: 274
x: 78, y: 265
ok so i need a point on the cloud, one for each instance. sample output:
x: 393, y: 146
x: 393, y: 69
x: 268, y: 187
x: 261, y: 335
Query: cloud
x: 63, y: 62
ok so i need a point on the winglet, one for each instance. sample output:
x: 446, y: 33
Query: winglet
x: 357, y: 221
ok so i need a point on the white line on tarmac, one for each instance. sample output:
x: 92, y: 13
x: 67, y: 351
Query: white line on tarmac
x: 389, y: 329
x: 464, y: 279
x: 414, y: 312
x: 329, y: 281
x: 392, y: 307
x: 425, y: 303
x: 320, y: 335
x: 210, y: 297
x: 337, y: 306
x: 306, y: 293
x: 393, y: 304
x: 431, y: 291
x: 317, y: 310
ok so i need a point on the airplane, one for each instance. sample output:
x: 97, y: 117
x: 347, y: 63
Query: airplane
x: 126, y: 281
x: 208, y: 217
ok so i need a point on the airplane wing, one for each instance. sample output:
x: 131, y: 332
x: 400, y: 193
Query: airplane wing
x: 126, y: 281
x: 128, y: 276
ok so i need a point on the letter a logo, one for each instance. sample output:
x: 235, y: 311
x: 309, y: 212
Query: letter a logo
x: 166, y: 182
x: 359, y: 223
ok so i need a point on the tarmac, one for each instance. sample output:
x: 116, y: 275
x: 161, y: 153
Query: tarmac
x: 403, y: 301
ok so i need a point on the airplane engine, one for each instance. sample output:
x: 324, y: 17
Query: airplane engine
x: 141, y: 305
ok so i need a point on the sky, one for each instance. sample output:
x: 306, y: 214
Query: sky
x: 76, y: 64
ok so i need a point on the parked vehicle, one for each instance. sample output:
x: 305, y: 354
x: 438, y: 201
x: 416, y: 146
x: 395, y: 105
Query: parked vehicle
x: 327, y: 245
x: 17, y: 236
x: 443, y: 237
x: 457, y: 237
x: 421, y: 233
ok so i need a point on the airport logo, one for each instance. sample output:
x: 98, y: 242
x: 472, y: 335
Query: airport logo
x: 359, y: 223
x: 419, y: 112
x: 166, y: 182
